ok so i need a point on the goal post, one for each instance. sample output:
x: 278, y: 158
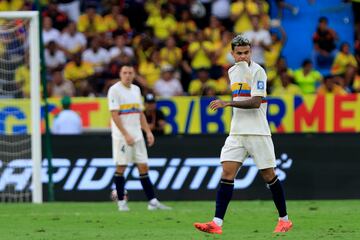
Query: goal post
x: 35, y: 106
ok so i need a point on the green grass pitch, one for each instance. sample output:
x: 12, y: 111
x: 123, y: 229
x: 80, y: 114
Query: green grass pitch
x: 245, y: 220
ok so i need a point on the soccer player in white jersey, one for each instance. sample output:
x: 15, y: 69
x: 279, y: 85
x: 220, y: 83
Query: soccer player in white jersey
x: 128, y: 145
x: 249, y: 135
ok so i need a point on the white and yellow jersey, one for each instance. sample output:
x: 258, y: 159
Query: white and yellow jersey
x: 246, y: 82
x: 128, y: 103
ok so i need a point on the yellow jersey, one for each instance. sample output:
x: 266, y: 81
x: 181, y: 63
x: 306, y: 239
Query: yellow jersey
x: 341, y: 62
x: 200, y: 59
x: 76, y: 73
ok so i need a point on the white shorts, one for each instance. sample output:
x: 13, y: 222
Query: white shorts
x: 238, y: 147
x: 124, y: 154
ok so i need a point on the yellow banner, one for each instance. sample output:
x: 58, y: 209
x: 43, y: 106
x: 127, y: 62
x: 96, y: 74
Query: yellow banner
x: 191, y: 115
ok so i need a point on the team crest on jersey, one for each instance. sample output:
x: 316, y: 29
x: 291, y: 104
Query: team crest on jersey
x: 260, y: 85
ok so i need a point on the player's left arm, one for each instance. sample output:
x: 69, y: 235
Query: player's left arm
x: 253, y: 102
x: 145, y: 126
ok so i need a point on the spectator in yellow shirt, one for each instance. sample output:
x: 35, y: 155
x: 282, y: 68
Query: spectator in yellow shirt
x: 356, y: 82
x: 287, y: 86
x: 223, y: 83
x: 80, y: 74
x: 332, y: 85
x: 144, y: 47
x: 214, y: 30
x: 13, y: 5
x: 343, y: 60
x: 277, y: 44
x: 170, y: 53
x: 151, y: 69
x: 274, y: 73
x: 201, y: 52
x: 222, y: 54
x: 197, y: 86
x: 115, y: 20
x: 241, y: 11
x: 90, y: 23
x: 185, y: 25
x: 263, y: 6
x: 153, y: 7
x: 163, y: 25
x: 307, y: 78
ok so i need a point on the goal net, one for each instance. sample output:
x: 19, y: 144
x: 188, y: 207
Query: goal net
x: 20, y: 139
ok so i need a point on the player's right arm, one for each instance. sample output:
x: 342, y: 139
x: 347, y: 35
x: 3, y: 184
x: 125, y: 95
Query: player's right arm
x: 114, y: 105
x: 115, y: 117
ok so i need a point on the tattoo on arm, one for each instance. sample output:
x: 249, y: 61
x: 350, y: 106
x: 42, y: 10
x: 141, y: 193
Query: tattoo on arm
x: 251, y: 103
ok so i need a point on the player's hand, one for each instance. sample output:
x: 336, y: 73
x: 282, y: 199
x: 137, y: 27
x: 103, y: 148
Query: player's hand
x: 129, y: 140
x: 150, y: 138
x: 216, y: 104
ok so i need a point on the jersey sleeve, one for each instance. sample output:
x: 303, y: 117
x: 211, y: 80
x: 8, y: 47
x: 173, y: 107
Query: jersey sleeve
x: 141, y: 104
x: 258, y: 87
x: 113, y: 101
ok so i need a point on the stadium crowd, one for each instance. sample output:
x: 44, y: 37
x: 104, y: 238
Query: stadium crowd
x: 180, y: 47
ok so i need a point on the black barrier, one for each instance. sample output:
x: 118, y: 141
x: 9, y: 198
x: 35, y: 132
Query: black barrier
x: 311, y: 166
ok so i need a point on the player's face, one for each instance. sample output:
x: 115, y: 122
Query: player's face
x: 127, y: 75
x: 242, y: 53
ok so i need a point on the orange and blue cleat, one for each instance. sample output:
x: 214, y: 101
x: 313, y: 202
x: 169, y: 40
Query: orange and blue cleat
x: 283, y: 226
x: 209, y: 227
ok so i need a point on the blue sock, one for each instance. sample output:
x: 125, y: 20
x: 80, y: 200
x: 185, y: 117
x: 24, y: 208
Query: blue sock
x: 278, y: 196
x: 223, y: 197
x: 119, y: 181
x: 147, y: 186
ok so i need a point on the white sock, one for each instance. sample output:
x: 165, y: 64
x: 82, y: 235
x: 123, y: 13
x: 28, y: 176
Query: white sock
x: 122, y: 202
x: 154, y: 201
x: 218, y: 221
x: 286, y: 218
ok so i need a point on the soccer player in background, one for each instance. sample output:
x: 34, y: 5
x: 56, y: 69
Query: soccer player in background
x: 249, y: 135
x: 128, y: 145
